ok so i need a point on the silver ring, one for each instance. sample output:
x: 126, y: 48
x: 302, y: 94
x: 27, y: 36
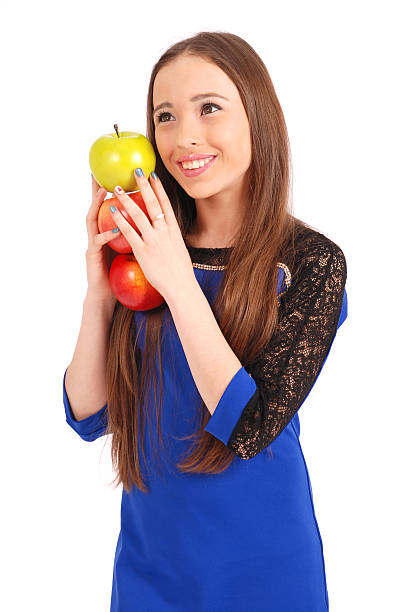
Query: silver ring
x: 159, y: 216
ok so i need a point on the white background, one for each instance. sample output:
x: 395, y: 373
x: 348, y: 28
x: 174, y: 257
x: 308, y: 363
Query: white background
x: 69, y: 71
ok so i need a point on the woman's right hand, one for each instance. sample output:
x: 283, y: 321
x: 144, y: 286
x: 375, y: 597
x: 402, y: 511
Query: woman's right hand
x: 99, y: 255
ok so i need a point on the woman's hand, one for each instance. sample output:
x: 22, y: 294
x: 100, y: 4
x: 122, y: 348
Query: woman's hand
x: 99, y: 255
x: 160, y: 250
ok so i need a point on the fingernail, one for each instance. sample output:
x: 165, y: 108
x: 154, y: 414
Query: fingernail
x: 119, y: 189
x: 139, y: 172
x: 115, y: 230
x: 154, y: 176
x: 112, y: 209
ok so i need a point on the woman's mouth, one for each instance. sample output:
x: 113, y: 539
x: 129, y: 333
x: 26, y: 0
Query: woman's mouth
x: 196, y: 171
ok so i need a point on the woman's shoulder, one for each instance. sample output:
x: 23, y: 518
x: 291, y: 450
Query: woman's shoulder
x: 307, y: 240
x: 311, y: 246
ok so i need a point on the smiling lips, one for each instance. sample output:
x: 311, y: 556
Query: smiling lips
x: 198, y: 166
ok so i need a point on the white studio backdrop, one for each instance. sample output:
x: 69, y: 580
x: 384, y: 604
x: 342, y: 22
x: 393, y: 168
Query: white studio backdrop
x: 69, y: 72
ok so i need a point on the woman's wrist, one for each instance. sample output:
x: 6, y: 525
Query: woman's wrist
x: 95, y: 300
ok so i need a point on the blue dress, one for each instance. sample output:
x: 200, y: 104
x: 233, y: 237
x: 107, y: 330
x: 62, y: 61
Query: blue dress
x: 245, y: 539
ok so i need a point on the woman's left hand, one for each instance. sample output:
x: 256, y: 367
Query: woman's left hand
x: 160, y: 250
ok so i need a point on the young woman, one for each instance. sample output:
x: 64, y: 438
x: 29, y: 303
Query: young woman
x: 217, y: 510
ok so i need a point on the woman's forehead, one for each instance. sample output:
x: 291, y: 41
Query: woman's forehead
x: 187, y: 78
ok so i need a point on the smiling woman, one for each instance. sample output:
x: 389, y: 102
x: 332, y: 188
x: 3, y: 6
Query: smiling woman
x: 213, y: 123
x: 217, y: 509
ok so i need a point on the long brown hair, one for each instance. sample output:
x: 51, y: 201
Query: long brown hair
x: 246, y: 307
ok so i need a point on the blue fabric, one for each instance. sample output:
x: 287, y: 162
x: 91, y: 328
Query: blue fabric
x: 230, y: 406
x: 245, y: 539
x: 88, y: 429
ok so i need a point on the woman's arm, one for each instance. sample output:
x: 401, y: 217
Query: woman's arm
x: 251, y: 406
x: 85, y: 379
x: 286, y: 370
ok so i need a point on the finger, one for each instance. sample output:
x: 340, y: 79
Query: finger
x: 95, y: 186
x: 105, y: 237
x: 125, y: 228
x: 163, y: 199
x: 137, y: 215
x: 149, y: 196
x: 92, y: 215
x: 96, y: 203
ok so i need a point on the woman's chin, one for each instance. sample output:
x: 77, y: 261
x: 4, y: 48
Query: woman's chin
x: 199, y: 192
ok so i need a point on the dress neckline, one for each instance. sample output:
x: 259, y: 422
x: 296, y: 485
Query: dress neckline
x: 209, y: 256
x: 209, y: 248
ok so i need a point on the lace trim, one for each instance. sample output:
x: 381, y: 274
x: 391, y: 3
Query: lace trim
x: 211, y: 259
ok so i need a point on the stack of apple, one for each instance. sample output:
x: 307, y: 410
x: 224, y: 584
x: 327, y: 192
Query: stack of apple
x: 113, y: 158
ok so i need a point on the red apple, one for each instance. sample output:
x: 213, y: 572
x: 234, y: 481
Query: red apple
x: 106, y: 221
x: 130, y: 286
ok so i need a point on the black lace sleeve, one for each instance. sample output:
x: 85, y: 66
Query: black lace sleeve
x: 287, y: 368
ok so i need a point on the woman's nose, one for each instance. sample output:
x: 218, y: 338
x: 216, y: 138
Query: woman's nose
x: 188, y: 134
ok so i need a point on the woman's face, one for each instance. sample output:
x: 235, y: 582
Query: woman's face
x: 210, y: 125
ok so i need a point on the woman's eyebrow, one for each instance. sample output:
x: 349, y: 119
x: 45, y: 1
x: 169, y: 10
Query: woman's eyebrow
x: 194, y: 99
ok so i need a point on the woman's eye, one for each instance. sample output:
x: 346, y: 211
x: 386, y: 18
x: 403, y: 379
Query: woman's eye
x: 159, y: 117
x: 210, y: 104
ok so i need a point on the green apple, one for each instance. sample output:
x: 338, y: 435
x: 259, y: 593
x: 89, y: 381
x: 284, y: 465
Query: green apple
x: 114, y: 157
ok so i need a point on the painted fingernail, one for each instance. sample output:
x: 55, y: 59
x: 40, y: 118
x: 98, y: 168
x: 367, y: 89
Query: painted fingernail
x: 115, y: 230
x: 119, y: 189
x: 154, y: 176
x: 139, y: 172
x: 113, y: 209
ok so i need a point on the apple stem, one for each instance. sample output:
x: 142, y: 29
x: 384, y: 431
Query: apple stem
x: 116, y: 129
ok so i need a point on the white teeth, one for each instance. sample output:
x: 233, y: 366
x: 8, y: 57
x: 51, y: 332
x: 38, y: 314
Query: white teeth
x: 196, y: 163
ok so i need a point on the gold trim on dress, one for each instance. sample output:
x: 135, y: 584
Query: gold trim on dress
x: 284, y: 267
x: 207, y: 267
